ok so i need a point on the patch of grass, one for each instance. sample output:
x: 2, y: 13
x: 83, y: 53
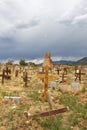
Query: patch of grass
x: 52, y: 124
x: 67, y: 128
x: 82, y: 128
x: 10, y: 115
x: 11, y: 127
x: 35, y: 95
x: 73, y: 119
x: 85, y: 105
x: 4, y: 93
x: 83, y: 89
x: 78, y: 109
x: 69, y: 100
x: 14, y: 93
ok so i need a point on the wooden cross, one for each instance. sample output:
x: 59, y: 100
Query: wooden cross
x: 58, y: 70
x: 47, y: 64
x: 63, y: 77
x: 16, y: 73
x: 78, y: 74
x: 25, y: 78
x: 7, y: 70
x: 44, y: 114
x: 65, y: 70
x: 5, y: 74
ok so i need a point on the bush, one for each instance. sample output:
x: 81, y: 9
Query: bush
x: 22, y: 62
x: 10, y: 62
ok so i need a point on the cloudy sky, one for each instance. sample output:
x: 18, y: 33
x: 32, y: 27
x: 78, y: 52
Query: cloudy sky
x: 29, y: 28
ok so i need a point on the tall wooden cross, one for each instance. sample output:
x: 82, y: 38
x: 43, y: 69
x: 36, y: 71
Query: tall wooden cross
x: 46, y: 65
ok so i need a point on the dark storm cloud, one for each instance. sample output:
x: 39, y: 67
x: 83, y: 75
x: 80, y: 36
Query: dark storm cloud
x: 7, y: 40
x: 29, y: 28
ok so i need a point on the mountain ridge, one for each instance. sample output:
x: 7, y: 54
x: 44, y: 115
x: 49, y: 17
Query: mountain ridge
x: 82, y: 61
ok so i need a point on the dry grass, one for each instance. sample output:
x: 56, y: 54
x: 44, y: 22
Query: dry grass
x: 12, y: 114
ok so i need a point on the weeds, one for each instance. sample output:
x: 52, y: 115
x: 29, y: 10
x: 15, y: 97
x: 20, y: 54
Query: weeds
x: 35, y: 95
x: 50, y: 124
x: 73, y: 119
x: 83, y: 89
x: 14, y: 93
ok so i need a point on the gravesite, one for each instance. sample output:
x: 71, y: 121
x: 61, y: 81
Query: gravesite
x: 43, y: 64
x: 43, y: 97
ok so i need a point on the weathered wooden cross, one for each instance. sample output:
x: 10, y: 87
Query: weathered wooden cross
x: 26, y: 78
x: 16, y: 72
x: 5, y: 74
x: 48, y: 113
x: 2, y: 75
x: 78, y: 74
x: 46, y: 65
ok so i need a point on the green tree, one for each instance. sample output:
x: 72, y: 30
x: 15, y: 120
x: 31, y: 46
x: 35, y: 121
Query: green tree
x: 10, y: 62
x: 22, y: 62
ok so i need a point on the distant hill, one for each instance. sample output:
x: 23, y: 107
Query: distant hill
x: 82, y: 61
x: 64, y: 62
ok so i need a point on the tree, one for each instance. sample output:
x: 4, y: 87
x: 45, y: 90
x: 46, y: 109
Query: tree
x: 22, y: 62
x: 9, y: 62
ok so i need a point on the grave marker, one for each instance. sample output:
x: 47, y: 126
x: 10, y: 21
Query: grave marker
x: 58, y: 70
x: 16, y: 73
x: 15, y: 99
x: 25, y: 78
x: 45, y: 114
x: 75, y: 85
x: 46, y: 65
x: 78, y: 74
x: 53, y: 84
x: 5, y: 74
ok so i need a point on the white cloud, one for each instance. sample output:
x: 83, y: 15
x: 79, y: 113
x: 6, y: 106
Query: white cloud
x: 81, y: 19
x: 78, y: 15
x: 23, y: 14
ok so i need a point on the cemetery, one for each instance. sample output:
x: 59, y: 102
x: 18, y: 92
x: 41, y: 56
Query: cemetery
x: 43, y: 97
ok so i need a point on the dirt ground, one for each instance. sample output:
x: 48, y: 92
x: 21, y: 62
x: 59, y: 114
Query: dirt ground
x: 12, y: 111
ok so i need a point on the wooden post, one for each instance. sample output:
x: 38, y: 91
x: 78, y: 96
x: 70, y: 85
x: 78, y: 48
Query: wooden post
x: 49, y: 100
x: 58, y: 70
x: 65, y: 70
x: 78, y: 75
x: 45, y: 82
x: 16, y: 73
x: 48, y: 64
x: 3, y: 75
x: 25, y: 78
x: 63, y: 77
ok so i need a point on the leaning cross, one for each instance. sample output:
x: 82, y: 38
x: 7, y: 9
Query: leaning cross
x: 48, y: 113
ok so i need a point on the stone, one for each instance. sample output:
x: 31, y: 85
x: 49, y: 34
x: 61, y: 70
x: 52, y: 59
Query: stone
x: 15, y: 99
x: 75, y: 85
x: 53, y: 84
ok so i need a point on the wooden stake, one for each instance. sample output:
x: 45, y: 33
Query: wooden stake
x: 49, y: 100
x: 45, y: 82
